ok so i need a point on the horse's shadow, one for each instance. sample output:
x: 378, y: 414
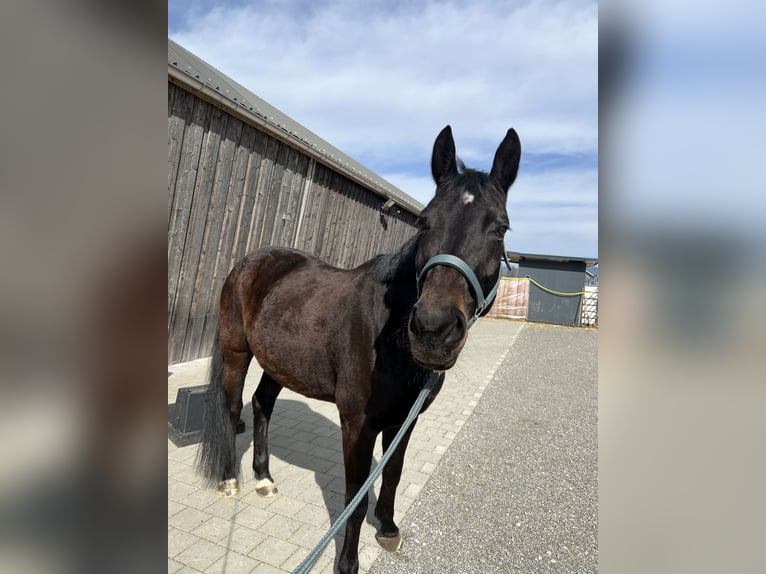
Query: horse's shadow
x: 303, y: 438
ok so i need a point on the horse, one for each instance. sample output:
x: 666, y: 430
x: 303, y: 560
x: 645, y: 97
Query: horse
x: 366, y: 338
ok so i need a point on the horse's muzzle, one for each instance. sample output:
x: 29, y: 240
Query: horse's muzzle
x: 437, y: 335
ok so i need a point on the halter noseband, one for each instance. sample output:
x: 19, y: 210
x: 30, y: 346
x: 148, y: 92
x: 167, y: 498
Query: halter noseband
x: 482, y: 302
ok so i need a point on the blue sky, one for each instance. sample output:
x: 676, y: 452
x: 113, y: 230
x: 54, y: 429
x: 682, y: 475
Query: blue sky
x: 380, y: 79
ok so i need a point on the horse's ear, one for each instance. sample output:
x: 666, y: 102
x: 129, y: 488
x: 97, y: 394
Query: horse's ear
x: 507, y: 158
x: 443, y: 162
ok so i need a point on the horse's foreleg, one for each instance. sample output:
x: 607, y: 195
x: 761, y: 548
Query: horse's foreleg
x: 263, y: 405
x: 388, y: 535
x: 358, y: 443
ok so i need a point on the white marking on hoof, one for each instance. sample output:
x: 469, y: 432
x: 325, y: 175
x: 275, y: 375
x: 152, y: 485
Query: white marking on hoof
x: 228, y: 488
x: 468, y: 198
x: 265, y: 488
x: 389, y: 544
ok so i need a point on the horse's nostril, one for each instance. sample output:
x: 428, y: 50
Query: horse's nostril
x: 414, y: 324
x: 438, y: 325
x: 457, y: 331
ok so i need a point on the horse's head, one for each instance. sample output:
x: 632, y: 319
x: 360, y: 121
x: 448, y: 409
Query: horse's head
x: 462, y: 232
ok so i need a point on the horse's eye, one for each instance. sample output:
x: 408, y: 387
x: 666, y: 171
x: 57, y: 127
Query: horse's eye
x: 500, y: 231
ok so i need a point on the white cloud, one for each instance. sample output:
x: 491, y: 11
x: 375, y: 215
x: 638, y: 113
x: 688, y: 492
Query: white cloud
x: 379, y: 82
x: 551, y: 212
x: 420, y: 187
x: 554, y: 212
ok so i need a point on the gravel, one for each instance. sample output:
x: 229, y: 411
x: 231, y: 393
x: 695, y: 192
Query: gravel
x: 517, y: 489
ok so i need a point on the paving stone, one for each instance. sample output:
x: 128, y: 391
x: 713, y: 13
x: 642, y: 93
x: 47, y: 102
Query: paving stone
x: 243, y: 540
x: 233, y: 563
x: 178, y: 541
x: 267, y: 569
x: 280, y: 527
x: 274, y: 551
x: 308, y: 536
x: 201, y: 554
x: 188, y: 519
x: 287, y: 506
x: 215, y: 529
x: 179, y: 491
x: 252, y: 517
x: 174, y: 507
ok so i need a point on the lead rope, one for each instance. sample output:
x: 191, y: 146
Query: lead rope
x: 309, y: 561
x: 314, y: 555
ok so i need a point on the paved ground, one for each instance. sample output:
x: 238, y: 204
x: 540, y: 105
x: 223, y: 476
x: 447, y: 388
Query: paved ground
x: 517, y: 489
x: 207, y: 533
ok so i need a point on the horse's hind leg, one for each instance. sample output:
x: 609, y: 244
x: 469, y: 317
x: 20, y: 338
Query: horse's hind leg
x: 263, y: 405
x: 217, y: 452
x: 388, y: 535
x: 234, y: 372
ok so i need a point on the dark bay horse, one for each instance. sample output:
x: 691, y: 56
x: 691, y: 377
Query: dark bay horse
x: 366, y: 339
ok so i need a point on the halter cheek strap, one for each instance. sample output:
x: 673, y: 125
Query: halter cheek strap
x: 482, y: 302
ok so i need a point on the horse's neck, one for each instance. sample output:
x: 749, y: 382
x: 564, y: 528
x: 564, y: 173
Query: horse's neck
x: 397, y: 269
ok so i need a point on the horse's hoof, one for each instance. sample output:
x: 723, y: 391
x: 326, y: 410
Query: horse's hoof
x: 389, y: 543
x: 265, y: 488
x: 228, y: 488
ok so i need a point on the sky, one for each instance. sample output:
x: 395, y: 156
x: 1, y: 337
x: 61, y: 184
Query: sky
x: 380, y: 79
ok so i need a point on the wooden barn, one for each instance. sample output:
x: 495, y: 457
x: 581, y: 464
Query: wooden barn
x: 241, y: 175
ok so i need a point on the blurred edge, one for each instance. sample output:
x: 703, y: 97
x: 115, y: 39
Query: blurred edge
x: 81, y: 305
x: 682, y: 313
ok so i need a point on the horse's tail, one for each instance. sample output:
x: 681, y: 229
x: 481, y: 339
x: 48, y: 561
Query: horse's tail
x: 216, y: 453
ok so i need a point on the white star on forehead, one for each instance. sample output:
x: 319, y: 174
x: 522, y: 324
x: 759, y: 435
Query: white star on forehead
x: 468, y: 198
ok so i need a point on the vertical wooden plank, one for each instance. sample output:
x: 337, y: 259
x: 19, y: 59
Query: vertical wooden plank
x: 356, y: 231
x: 196, y: 232
x: 175, y: 139
x: 242, y: 139
x: 335, y: 227
x: 203, y: 286
x: 305, y: 195
x: 381, y: 234
x: 250, y: 138
x: 368, y: 227
x: 325, y: 215
x: 284, y: 212
x: 181, y: 158
x: 274, y: 195
x: 190, y: 163
x: 367, y: 231
x: 344, y: 237
x: 330, y: 229
x: 373, y: 236
x: 264, y: 186
x: 255, y: 189
x: 355, y: 235
x: 315, y: 209
x: 296, y: 201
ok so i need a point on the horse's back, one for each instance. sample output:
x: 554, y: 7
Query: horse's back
x: 294, y: 306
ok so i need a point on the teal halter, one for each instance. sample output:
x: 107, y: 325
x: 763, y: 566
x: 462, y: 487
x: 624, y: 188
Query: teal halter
x: 482, y: 302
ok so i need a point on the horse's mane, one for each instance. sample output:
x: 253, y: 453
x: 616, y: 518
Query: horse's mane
x: 387, y: 268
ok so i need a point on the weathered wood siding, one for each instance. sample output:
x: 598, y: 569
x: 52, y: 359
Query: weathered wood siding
x: 231, y: 189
